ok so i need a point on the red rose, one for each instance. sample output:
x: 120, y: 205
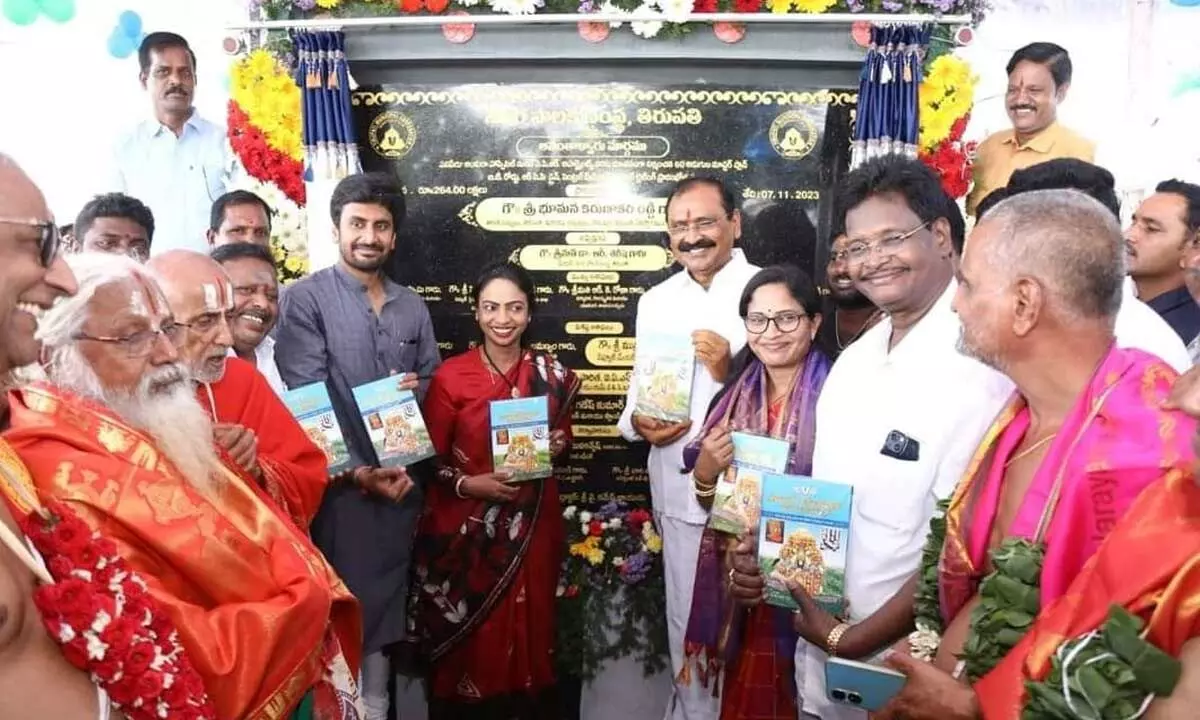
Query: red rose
x: 123, y: 692
x: 436, y: 6
x: 60, y: 567
x: 150, y: 685
x: 106, y: 669
x: 85, y: 557
x: 571, y: 591
x: 70, y: 535
x: 595, y: 528
x: 747, y: 6
x: 409, y: 6
x: 176, y: 696
x: 75, y: 653
x: 139, y: 657
x: 190, y: 679
x: 136, y: 608
x: 118, y: 635
x: 704, y: 6
x: 106, y: 547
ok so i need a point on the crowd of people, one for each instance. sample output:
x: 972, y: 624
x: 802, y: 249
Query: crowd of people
x: 1006, y: 404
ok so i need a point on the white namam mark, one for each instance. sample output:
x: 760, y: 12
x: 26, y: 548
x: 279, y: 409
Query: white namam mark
x: 210, y: 297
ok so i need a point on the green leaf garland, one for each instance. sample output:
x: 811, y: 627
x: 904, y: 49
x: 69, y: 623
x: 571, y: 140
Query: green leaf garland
x: 1009, y: 600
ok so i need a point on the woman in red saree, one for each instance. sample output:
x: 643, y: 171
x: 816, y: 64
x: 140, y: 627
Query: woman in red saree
x: 488, y: 552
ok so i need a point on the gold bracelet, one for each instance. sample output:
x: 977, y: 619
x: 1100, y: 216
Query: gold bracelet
x: 703, y: 492
x: 835, y: 637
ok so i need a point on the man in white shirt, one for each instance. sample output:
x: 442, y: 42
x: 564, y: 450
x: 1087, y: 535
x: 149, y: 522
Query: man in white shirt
x: 703, y: 224
x: 251, y: 269
x: 177, y: 162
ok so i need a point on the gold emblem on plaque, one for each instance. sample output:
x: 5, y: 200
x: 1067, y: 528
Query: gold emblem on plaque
x: 793, y: 135
x: 392, y: 135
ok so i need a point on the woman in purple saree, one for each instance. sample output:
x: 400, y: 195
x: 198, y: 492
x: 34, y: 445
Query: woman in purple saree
x: 748, y: 653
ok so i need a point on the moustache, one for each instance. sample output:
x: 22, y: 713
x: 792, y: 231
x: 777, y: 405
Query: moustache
x: 702, y: 243
x: 1014, y: 108
x: 176, y: 91
x: 165, y: 378
x: 1130, y: 249
x: 256, y: 312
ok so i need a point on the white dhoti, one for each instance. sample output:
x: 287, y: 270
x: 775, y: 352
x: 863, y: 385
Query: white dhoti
x: 681, y: 547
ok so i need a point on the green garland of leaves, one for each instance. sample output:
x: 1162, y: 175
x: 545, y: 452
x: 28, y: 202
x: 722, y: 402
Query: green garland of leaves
x: 602, y: 624
x: 1009, y: 600
x: 1110, y: 675
x: 927, y: 607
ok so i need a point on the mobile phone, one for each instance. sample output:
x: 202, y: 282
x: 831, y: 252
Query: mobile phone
x: 861, y: 685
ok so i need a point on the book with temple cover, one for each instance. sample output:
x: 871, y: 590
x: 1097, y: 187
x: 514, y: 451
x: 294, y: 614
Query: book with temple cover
x: 803, y: 533
x: 312, y: 408
x: 521, y: 437
x: 394, y: 423
x: 663, y: 369
x: 738, y: 502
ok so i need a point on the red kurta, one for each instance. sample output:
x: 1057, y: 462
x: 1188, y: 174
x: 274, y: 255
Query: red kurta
x: 294, y: 470
x: 498, y: 637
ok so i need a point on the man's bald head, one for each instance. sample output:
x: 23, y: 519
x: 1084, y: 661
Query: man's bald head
x: 201, y: 296
x: 1066, y: 240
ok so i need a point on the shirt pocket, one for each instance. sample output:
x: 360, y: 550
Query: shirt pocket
x: 895, y: 496
x: 406, y: 351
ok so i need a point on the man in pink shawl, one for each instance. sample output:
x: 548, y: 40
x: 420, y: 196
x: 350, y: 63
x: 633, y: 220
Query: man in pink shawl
x: 1039, y: 288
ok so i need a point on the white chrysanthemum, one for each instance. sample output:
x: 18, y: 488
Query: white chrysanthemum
x: 585, y: 517
x: 515, y: 7
x: 618, y: 561
x: 646, y: 21
x: 676, y: 11
x: 469, y: 3
x: 614, y: 523
x: 609, y: 9
x: 569, y: 513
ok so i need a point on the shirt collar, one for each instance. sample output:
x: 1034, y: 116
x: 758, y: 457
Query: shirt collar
x: 153, y: 128
x: 1179, y: 297
x: 264, y: 351
x: 390, y: 289
x: 737, y: 260
x: 1042, y: 143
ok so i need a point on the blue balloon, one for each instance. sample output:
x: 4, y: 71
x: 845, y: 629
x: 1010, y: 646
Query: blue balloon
x: 130, y: 23
x: 120, y: 45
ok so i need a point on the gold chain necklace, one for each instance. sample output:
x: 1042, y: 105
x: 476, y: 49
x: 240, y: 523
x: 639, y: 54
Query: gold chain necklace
x: 1031, y: 449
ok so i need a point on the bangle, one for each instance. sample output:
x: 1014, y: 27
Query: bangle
x: 458, y: 486
x: 703, y: 490
x: 835, y: 637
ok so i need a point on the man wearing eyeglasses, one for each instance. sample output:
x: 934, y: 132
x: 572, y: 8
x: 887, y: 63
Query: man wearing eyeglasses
x: 703, y: 223
x: 177, y: 162
x: 899, y: 416
x: 120, y: 435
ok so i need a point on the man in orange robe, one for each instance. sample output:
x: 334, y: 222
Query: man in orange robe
x: 120, y: 437
x: 251, y: 423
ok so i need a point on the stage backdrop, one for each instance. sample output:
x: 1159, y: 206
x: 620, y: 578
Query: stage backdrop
x: 570, y: 181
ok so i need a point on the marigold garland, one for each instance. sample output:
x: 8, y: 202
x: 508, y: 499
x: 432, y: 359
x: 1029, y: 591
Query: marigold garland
x: 946, y: 96
x: 265, y: 91
x: 262, y: 161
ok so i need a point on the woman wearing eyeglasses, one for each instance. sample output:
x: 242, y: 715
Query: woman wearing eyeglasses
x: 775, y: 395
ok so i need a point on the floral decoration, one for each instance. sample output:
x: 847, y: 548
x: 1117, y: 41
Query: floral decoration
x: 108, y: 625
x: 265, y: 132
x: 945, y: 97
x: 611, y: 593
x: 649, y: 18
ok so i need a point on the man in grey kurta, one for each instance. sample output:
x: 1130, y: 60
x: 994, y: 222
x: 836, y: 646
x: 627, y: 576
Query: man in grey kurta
x: 349, y: 325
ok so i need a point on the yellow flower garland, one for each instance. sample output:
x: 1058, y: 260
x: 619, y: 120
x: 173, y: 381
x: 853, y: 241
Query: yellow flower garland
x: 946, y: 94
x: 265, y: 91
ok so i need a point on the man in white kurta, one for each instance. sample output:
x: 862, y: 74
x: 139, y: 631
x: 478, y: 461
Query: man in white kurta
x: 701, y: 303
x: 901, y: 412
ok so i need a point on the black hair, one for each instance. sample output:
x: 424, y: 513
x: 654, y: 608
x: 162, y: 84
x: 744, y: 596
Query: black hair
x: 371, y: 188
x: 114, y: 205
x: 240, y: 250
x: 1068, y: 174
x: 1055, y: 57
x: 230, y: 199
x: 910, y: 179
x: 799, y: 285
x: 727, y: 201
x: 990, y: 201
x: 161, y: 41
x: 1190, y: 193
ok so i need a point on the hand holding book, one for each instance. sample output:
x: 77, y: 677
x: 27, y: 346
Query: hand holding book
x: 659, y: 433
x: 712, y: 351
x: 493, y: 487
x: 716, y: 455
x: 746, y: 581
x: 390, y: 483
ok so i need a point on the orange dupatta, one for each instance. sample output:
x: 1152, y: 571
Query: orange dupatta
x: 256, y: 605
x: 1149, y: 564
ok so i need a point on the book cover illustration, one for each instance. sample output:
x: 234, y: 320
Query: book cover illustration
x: 521, y: 437
x: 663, y: 372
x: 803, y: 534
x: 738, y: 502
x: 394, y: 423
x: 312, y: 408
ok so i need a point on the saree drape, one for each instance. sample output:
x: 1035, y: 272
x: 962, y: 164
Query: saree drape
x: 886, y: 120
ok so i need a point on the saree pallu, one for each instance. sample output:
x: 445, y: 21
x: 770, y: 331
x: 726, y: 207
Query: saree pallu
x: 484, y: 594
x: 749, y: 654
x: 1149, y: 564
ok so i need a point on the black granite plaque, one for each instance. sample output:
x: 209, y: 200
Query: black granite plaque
x: 570, y: 181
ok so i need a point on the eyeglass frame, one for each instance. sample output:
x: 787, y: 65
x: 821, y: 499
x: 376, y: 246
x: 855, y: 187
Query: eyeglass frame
x: 49, y: 242
x: 168, y: 331
x: 216, y: 316
x: 800, y: 318
x: 701, y: 225
x: 886, y: 246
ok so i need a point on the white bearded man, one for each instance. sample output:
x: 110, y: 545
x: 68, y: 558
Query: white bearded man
x: 118, y: 435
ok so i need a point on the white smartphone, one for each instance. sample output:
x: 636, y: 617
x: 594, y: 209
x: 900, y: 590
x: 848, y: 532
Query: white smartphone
x: 861, y: 685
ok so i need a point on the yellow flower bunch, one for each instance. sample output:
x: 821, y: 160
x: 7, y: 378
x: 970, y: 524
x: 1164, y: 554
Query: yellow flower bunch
x: 805, y: 6
x: 588, y: 549
x: 266, y: 92
x: 651, y: 538
x: 946, y: 94
x: 328, y: 4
